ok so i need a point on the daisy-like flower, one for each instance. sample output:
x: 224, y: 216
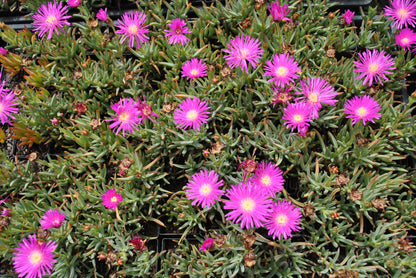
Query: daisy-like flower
x: 283, y: 69
x: 132, y: 27
x: 249, y: 206
x: 268, y: 178
x: 278, y: 12
x: 241, y: 50
x: 102, y: 14
x: 111, y: 199
x: 74, y: 3
x: 402, y: 12
x: 191, y: 113
x: 316, y: 91
x: 145, y: 111
x: 194, y: 68
x: 33, y: 259
x: 177, y: 30
x: 283, y: 220
x: 50, y: 18
x: 348, y: 15
x: 52, y: 218
x: 203, y: 188
x: 374, y: 66
x: 7, y: 102
x: 362, y: 108
x: 405, y: 38
x: 297, y: 115
x: 126, y: 117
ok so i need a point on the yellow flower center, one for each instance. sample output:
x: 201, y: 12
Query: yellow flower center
x: 297, y: 118
x: 56, y: 222
x: 194, y: 72
x: 124, y: 117
x: 205, y: 189
x: 191, y: 115
x: 265, y: 180
x: 178, y: 31
x: 373, y: 68
x: 132, y: 29
x: 281, y: 71
x: 51, y: 19
x: 1, y: 108
x: 281, y: 219
x: 361, y: 112
x: 248, y: 205
x: 35, y: 257
x: 313, y: 97
x: 402, y: 13
x: 405, y: 40
x: 113, y: 199
x: 244, y: 53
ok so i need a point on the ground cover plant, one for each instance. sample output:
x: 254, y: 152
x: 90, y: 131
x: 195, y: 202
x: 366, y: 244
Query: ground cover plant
x: 208, y: 139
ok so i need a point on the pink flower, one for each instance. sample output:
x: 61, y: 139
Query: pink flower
x: 374, y: 66
x: 52, y: 218
x: 207, y: 244
x: 405, y: 38
x: 50, y: 18
x: 248, y: 206
x: 138, y: 243
x: 6, y: 212
x: 3, y: 51
x: 278, y: 12
x: 402, y: 12
x: 362, y: 108
x: 203, y: 188
x: 7, y: 102
x: 268, y: 178
x: 33, y: 259
x: 348, y: 15
x: 283, y: 69
x: 177, y: 30
x: 241, y: 50
x: 54, y: 121
x: 283, y: 220
x: 74, y: 3
x: 131, y: 27
x: 316, y: 91
x: 194, y: 68
x: 191, y: 113
x: 111, y: 199
x: 102, y: 14
x: 126, y: 117
x: 145, y: 111
x: 297, y: 115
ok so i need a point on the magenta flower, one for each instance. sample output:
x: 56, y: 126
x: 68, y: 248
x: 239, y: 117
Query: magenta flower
x: 405, y: 38
x: 131, y: 27
x: 316, y: 91
x: 33, y: 259
x: 348, y: 15
x: 52, y: 218
x: 283, y: 69
x: 126, y: 117
x: 297, y: 115
x: 207, y: 244
x: 248, y: 206
x: 7, y: 102
x: 138, y: 243
x: 145, y: 111
x: 102, y: 14
x: 203, y: 188
x: 111, y: 199
x: 374, y: 66
x: 402, y: 12
x: 278, y: 12
x: 50, y: 18
x: 194, y: 68
x: 191, y: 113
x: 283, y: 220
x: 74, y: 3
x: 6, y: 212
x: 177, y: 30
x: 3, y: 51
x: 362, y: 108
x: 268, y: 178
x: 241, y: 50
